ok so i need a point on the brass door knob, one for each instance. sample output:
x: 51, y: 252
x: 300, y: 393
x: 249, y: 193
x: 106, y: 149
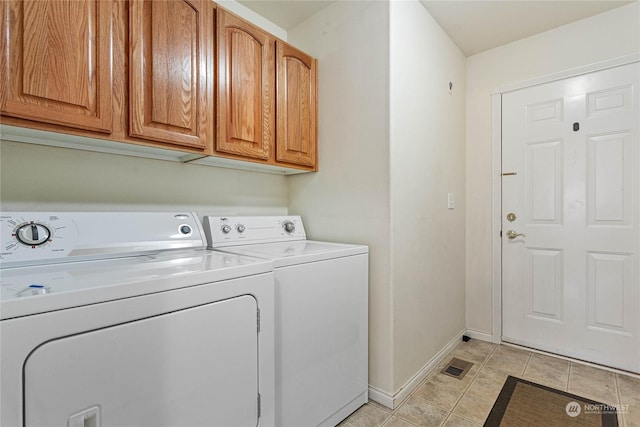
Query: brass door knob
x: 512, y: 234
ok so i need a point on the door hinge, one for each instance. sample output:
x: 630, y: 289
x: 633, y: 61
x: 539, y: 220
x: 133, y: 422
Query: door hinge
x: 258, y: 320
x: 259, y: 406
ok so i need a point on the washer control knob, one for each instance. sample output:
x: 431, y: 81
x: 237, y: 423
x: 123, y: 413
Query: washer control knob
x: 240, y: 228
x: 226, y: 229
x: 33, y: 234
x: 185, y: 229
x: 289, y: 226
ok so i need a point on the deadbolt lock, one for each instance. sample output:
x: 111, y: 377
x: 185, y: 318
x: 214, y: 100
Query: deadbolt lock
x: 511, y: 217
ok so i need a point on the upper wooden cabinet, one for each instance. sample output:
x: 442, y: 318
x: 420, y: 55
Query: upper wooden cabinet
x: 169, y: 95
x: 245, y: 86
x: 296, y: 133
x: 184, y: 75
x: 57, y: 63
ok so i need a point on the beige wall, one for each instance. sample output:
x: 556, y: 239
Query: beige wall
x: 608, y: 35
x: 427, y: 162
x: 391, y: 148
x: 40, y: 178
x: 35, y: 177
x: 348, y: 199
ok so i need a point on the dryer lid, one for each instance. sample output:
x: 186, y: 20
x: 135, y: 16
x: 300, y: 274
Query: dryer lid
x: 38, y: 289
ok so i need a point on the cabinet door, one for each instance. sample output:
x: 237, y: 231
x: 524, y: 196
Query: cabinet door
x: 296, y: 106
x: 56, y: 62
x: 245, y: 88
x: 168, y: 56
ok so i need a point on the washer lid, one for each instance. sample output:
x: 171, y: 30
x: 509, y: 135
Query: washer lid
x: 38, y: 289
x: 297, y: 252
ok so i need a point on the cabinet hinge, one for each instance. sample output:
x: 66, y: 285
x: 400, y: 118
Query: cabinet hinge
x: 258, y: 320
x: 259, y: 406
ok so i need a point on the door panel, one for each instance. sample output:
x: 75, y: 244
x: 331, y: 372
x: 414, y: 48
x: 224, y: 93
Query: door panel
x: 609, y: 179
x: 192, y: 367
x: 571, y: 274
x: 245, y: 97
x: 169, y: 71
x: 52, y: 74
x: 297, y: 109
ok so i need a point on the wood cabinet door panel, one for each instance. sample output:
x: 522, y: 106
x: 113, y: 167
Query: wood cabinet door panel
x: 245, y: 82
x: 56, y: 62
x: 296, y: 136
x: 168, y: 86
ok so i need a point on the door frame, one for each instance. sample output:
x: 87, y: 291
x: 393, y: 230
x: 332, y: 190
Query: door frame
x: 496, y: 171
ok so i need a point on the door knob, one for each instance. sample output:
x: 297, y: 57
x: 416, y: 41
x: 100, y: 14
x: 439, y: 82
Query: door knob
x: 512, y: 234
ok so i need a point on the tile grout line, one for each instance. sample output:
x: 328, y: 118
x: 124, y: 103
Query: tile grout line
x: 620, y: 415
x: 569, y: 378
x: 433, y: 374
x: 464, y: 392
x: 526, y: 365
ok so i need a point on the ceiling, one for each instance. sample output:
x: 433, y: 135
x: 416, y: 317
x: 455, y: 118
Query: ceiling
x: 474, y: 25
x: 286, y: 13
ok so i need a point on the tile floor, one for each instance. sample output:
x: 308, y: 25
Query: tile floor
x: 441, y: 400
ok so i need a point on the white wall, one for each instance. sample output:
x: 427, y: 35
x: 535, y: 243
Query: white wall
x: 608, y: 35
x: 427, y: 162
x: 348, y: 198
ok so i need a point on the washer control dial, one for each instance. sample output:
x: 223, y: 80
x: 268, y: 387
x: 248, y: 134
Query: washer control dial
x: 226, y: 229
x: 289, y: 226
x: 240, y: 228
x: 33, y: 234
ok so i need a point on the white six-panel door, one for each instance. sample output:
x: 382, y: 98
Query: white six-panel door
x: 571, y: 180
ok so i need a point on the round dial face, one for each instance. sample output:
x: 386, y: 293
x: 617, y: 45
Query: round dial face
x: 31, y: 237
x: 33, y: 234
x: 289, y: 226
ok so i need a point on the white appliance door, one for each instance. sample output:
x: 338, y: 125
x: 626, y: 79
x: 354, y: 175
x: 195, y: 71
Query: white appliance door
x: 192, y: 367
x: 571, y: 217
x: 321, y: 338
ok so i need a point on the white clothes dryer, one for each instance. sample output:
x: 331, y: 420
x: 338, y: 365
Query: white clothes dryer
x: 124, y: 319
x: 321, y: 304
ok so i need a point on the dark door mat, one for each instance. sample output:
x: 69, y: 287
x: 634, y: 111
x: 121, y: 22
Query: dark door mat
x: 524, y: 403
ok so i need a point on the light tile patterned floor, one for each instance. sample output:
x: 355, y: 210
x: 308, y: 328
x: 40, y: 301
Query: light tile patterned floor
x: 441, y: 400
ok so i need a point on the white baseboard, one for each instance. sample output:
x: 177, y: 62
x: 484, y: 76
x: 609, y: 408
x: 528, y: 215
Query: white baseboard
x: 392, y: 401
x: 482, y: 336
x: 381, y: 397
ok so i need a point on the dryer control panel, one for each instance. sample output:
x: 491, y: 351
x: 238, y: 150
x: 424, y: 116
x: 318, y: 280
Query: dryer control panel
x: 33, y: 238
x: 245, y: 230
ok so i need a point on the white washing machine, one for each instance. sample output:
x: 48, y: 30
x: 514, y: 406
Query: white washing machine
x: 321, y: 303
x: 125, y: 319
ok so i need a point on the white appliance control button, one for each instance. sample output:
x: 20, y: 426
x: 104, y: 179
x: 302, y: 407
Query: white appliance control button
x: 289, y: 226
x: 185, y: 229
x: 33, y: 234
x: 240, y: 228
x: 226, y: 229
